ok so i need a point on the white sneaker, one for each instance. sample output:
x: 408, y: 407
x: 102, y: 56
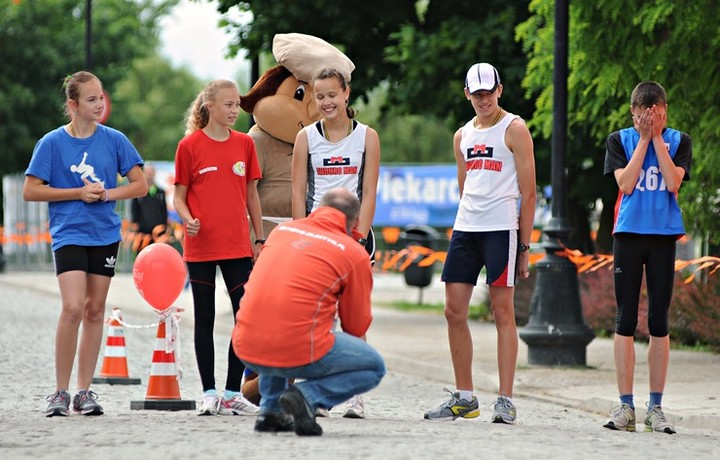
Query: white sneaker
x: 208, y: 405
x: 655, y: 420
x: 237, y: 405
x: 322, y: 412
x: 355, y: 408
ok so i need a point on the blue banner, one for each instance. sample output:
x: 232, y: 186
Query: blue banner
x: 426, y: 195
x: 422, y: 194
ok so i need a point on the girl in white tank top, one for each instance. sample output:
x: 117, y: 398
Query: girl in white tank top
x: 337, y: 151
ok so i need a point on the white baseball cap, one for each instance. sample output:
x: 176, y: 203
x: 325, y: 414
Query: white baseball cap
x: 482, y: 77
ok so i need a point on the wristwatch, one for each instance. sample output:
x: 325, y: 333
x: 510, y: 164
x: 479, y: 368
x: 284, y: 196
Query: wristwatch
x: 362, y: 241
x: 260, y: 241
x: 523, y: 247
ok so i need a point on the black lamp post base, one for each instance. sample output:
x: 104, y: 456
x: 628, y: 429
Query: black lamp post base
x: 556, y: 333
x: 557, y: 348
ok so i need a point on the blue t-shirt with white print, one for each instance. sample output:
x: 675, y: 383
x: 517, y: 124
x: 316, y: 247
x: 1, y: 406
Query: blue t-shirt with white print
x: 63, y: 161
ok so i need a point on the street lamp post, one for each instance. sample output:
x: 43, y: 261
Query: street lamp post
x: 88, y: 35
x: 556, y: 333
x: 254, y: 77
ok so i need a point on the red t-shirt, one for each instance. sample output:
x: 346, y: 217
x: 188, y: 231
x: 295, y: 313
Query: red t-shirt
x: 216, y: 175
x: 308, y: 271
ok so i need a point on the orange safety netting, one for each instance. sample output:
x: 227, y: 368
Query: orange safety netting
x: 399, y: 260
x: 387, y: 260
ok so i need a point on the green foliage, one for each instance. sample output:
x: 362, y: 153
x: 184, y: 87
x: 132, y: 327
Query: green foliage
x: 433, y: 56
x: 700, y: 198
x: 406, y: 138
x: 410, y: 55
x: 150, y: 103
x: 422, y: 49
x: 614, y: 44
x: 43, y: 42
x: 415, y: 139
x: 360, y: 28
x: 32, y: 73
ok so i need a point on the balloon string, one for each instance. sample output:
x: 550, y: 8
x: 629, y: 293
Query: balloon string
x: 172, y: 331
x: 172, y: 334
x: 117, y: 316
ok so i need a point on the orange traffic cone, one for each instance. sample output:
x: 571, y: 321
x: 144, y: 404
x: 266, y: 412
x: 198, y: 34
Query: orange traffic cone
x: 163, y: 392
x: 115, y: 369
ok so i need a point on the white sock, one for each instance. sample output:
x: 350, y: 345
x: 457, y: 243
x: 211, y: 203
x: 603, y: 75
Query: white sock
x: 467, y: 395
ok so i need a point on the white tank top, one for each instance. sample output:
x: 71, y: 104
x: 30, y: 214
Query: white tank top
x: 491, y: 193
x: 334, y: 164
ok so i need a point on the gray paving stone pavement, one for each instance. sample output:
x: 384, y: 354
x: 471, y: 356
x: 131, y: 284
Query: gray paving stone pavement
x: 561, y: 409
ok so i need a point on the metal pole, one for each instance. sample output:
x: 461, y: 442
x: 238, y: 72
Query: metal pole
x: 559, y: 135
x: 254, y: 77
x: 556, y: 333
x: 88, y: 35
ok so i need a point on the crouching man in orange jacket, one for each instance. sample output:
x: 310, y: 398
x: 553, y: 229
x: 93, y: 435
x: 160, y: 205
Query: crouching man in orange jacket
x: 310, y: 272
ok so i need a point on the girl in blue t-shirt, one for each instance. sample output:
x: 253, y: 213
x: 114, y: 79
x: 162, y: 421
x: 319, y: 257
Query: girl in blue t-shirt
x: 75, y: 169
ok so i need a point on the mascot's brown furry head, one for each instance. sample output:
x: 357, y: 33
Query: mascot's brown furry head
x: 281, y: 104
x: 281, y: 101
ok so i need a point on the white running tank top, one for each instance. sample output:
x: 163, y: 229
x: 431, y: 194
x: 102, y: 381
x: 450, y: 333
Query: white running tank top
x: 334, y: 164
x: 491, y: 193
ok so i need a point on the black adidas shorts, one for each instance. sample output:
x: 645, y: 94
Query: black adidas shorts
x: 98, y: 260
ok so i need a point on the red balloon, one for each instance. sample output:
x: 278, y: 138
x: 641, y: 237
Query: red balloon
x: 107, y: 110
x: 160, y: 275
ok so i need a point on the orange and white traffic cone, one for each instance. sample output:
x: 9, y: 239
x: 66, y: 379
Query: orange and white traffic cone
x: 163, y: 392
x: 115, y: 368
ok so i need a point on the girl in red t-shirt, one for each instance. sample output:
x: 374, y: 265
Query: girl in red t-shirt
x: 216, y: 174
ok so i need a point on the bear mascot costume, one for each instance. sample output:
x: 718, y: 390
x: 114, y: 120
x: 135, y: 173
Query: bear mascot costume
x: 282, y: 103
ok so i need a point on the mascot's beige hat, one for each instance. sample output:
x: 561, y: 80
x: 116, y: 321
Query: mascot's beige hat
x: 305, y: 56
